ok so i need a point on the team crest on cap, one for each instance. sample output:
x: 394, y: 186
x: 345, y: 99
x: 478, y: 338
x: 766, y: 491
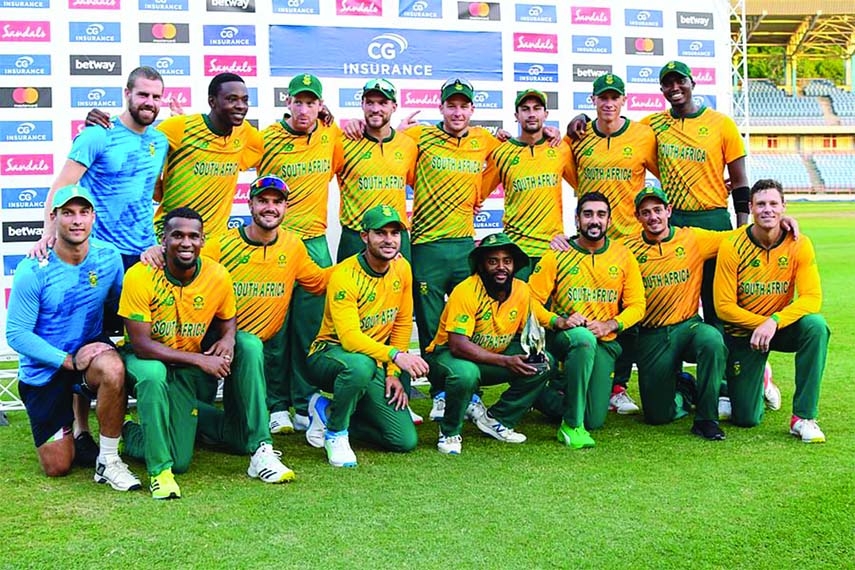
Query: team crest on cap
x: 490, y: 239
x: 198, y: 302
x: 458, y: 86
x: 783, y: 261
x: 387, y: 211
x: 609, y: 79
x: 671, y: 65
x: 307, y: 79
x: 93, y: 279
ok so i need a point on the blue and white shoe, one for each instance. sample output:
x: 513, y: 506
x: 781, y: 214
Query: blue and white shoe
x: 318, y: 406
x: 437, y: 410
x: 339, y: 453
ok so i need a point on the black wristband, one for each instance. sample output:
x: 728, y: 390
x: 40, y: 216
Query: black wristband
x: 740, y: 199
x: 74, y: 363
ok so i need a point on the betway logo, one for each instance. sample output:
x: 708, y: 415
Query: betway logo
x: 590, y: 72
x: 78, y: 63
x: 420, y: 98
x: 695, y: 20
x: 26, y: 164
x: 543, y: 43
x: 358, y: 7
x: 97, y: 4
x: 242, y: 65
x: 241, y: 4
x: 592, y: 16
x: 645, y: 102
x: 25, y: 32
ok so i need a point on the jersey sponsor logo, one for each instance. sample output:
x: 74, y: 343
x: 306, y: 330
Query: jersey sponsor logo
x: 244, y: 65
x: 24, y: 198
x: 95, y: 64
x: 168, y: 64
x: 10, y: 263
x: 164, y: 33
x: 231, y: 6
x: 583, y: 101
x: 642, y: 74
x: 538, y: 43
x: 228, y: 35
x: 359, y: 7
x: 296, y: 6
x: 95, y: 4
x: 696, y: 48
x: 592, y: 44
x: 536, y: 72
x: 24, y: 64
x: 26, y: 131
x: 97, y: 97
x: 645, y: 102
x: 180, y: 95
x: 592, y: 16
x: 488, y: 219
x: 26, y: 164
x: 25, y: 97
x: 25, y: 31
x: 479, y: 11
x: 488, y: 99
x: 420, y: 8
x: 166, y: 5
x: 420, y: 98
x: 348, y: 97
x: 643, y: 18
x: 644, y: 46
x: 24, y: 3
x: 392, y: 53
x: 695, y: 20
x: 589, y: 72
x: 22, y: 231
x: 536, y: 13
x: 94, y: 32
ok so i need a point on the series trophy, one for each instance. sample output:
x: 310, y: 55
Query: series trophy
x: 533, y: 341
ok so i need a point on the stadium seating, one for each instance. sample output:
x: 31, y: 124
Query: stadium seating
x: 770, y: 105
x: 788, y: 168
x: 842, y: 102
x: 837, y: 170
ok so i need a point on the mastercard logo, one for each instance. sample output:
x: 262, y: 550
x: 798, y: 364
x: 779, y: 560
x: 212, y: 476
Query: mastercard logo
x: 164, y: 31
x: 479, y: 9
x: 25, y: 95
x: 646, y: 45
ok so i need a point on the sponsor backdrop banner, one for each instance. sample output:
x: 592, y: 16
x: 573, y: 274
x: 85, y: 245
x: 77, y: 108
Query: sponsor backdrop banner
x: 60, y: 58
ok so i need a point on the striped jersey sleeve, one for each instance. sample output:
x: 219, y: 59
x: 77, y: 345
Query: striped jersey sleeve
x: 307, y: 162
x: 615, y: 165
x: 448, y: 181
x: 693, y: 152
x: 753, y: 283
x: 202, y: 168
x: 531, y: 176
x: 179, y: 314
x: 375, y: 172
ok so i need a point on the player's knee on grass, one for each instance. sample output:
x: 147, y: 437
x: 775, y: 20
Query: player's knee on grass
x: 56, y: 455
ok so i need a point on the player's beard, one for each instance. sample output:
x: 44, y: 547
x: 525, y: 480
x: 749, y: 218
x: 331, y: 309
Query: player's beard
x: 495, y: 289
x: 585, y: 233
x: 135, y: 115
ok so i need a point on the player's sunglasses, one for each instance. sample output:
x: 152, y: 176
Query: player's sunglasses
x: 383, y: 86
x: 268, y: 182
x: 457, y: 80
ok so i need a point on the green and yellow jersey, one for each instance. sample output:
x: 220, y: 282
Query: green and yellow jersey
x: 307, y: 163
x: 368, y: 313
x: 614, y: 165
x: 448, y: 181
x: 693, y: 152
x: 202, y: 168
x: 671, y: 272
x: 179, y: 314
x: 263, y: 277
x: 753, y: 283
x: 602, y: 285
x: 375, y: 172
x: 531, y: 176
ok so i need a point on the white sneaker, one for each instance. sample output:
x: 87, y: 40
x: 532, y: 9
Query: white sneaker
x: 301, y: 422
x: 475, y: 409
x: 280, y: 422
x: 808, y: 430
x: 494, y: 428
x: 437, y: 410
x: 265, y: 465
x: 114, y: 471
x: 417, y: 419
x: 771, y: 392
x: 724, y: 408
x: 449, y: 444
x: 338, y: 449
x: 621, y: 403
x: 318, y: 406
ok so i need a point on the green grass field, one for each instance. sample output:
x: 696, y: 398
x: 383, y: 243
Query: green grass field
x: 643, y: 498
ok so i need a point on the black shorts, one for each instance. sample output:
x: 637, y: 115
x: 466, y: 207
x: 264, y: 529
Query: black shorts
x: 50, y: 406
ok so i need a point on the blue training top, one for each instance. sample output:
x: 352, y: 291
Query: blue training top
x: 123, y: 167
x: 55, y: 308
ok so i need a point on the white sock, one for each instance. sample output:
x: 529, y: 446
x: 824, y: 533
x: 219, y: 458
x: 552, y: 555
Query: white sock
x: 109, y: 447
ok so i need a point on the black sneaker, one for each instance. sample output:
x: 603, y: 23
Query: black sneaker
x: 708, y: 429
x: 85, y: 450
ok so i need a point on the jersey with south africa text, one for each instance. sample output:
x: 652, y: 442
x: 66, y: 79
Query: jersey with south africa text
x: 615, y: 165
x: 122, y: 168
x: 671, y: 272
x: 367, y: 312
x: 375, y: 172
x: 179, y: 314
x: 306, y: 162
x: 202, y: 168
x: 263, y: 277
x: 448, y: 181
x: 602, y: 285
x: 693, y: 152
x: 753, y: 283
x: 531, y: 176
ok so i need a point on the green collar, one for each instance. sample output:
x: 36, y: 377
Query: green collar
x: 669, y: 238
x: 372, y: 139
x: 518, y: 142
x: 363, y: 263
x: 781, y: 239
x: 617, y: 133
x: 175, y: 281
x: 576, y: 246
x: 250, y: 241
x: 694, y: 115
x: 213, y: 129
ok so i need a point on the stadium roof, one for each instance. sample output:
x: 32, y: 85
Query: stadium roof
x: 805, y: 29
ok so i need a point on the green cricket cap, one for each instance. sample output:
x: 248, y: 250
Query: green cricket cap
x: 530, y: 93
x: 306, y: 83
x: 650, y: 192
x: 381, y: 216
x: 677, y: 67
x: 609, y: 82
x: 457, y: 86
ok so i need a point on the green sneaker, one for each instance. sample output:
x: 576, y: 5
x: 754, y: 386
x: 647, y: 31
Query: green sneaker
x: 576, y: 438
x: 163, y: 486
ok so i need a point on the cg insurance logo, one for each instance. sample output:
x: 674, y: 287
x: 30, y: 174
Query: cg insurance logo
x: 25, y: 97
x: 165, y: 33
